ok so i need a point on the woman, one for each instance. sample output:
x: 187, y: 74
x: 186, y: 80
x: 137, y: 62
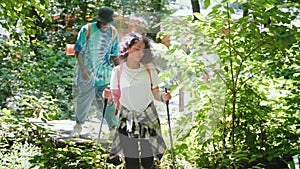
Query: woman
x: 134, y: 86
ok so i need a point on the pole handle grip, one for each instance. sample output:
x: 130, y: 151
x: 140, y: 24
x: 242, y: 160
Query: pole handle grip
x: 166, y: 90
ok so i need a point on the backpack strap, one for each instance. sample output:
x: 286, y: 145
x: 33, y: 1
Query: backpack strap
x: 113, y: 33
x: 70, y: 47
x: 149, y: 72
x: 119, y: 77
x: 119, y: 90
x: 88, y: 34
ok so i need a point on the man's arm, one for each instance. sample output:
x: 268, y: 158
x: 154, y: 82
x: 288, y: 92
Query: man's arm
x: 85, y: 73
x: 115, y: 48
x: 115, y: 60
x: 79, y: 45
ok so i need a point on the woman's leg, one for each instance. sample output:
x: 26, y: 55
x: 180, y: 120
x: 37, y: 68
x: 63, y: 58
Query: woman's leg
x: 130, y: 149
x: 132, y: 163
x: 147, y: 158
x: 147, y: 163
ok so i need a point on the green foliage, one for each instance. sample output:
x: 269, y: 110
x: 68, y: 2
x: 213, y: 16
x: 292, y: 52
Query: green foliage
x: 37, y: 80
x: 34, y: 84
x: 18, y: 156
x: 69, y: 155
x: 27, y: 145
x: 246, y: 116
x: 17, y: 141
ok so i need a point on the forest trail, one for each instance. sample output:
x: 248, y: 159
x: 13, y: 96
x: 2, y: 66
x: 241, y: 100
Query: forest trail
x: 60, y: 130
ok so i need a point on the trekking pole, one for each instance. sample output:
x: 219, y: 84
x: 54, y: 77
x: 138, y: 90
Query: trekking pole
x: 103, y: 113
x: 170, y: 131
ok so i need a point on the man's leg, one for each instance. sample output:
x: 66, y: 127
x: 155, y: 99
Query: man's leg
x: 109, y: 115
x: 83, y: 102
x: 82, y: 106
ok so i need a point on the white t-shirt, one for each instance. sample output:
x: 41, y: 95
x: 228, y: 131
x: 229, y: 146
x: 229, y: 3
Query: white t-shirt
x: 135, y: 85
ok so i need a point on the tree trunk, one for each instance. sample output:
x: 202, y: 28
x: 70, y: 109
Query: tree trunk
x: 156, y: 19
x: 196, y: 7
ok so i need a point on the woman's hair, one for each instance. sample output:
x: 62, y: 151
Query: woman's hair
x: 132, y: 38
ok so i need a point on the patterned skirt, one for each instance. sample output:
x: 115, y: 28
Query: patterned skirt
x: 138, y: 134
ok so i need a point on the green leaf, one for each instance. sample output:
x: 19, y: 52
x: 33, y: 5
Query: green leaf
x: 6, y: 112
x: 206, y: 3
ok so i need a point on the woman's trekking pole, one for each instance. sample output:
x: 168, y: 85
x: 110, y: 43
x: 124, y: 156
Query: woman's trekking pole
x: 170, y: 132
x: 103, y: 113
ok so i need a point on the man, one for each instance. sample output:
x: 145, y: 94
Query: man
x: 96, y: 47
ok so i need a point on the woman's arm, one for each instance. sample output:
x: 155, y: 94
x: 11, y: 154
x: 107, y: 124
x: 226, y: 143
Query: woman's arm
x: 115, y: 95
x: 161, y: 96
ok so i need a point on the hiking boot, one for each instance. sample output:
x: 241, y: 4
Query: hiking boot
x: 114, y: 159
x: 106, y: 139
x: 76, y: 131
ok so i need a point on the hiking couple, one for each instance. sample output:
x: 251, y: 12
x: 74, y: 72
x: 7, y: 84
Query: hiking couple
x: 133, y: 88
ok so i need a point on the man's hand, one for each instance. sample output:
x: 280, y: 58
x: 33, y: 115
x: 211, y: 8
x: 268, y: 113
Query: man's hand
x: 86, y: 75
x: 115, y: 60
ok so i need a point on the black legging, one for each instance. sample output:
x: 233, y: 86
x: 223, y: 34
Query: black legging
x: 133, y: 163
x: 131, y: 152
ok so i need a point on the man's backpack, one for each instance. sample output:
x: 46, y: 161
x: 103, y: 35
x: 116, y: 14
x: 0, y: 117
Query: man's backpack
x: 70, y: 47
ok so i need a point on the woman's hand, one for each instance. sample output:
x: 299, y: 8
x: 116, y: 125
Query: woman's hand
x: 165, y: 96
x: 107, y: 95
x: 206, y: 78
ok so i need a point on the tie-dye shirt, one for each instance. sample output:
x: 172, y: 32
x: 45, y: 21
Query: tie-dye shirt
x: 96, y: 51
